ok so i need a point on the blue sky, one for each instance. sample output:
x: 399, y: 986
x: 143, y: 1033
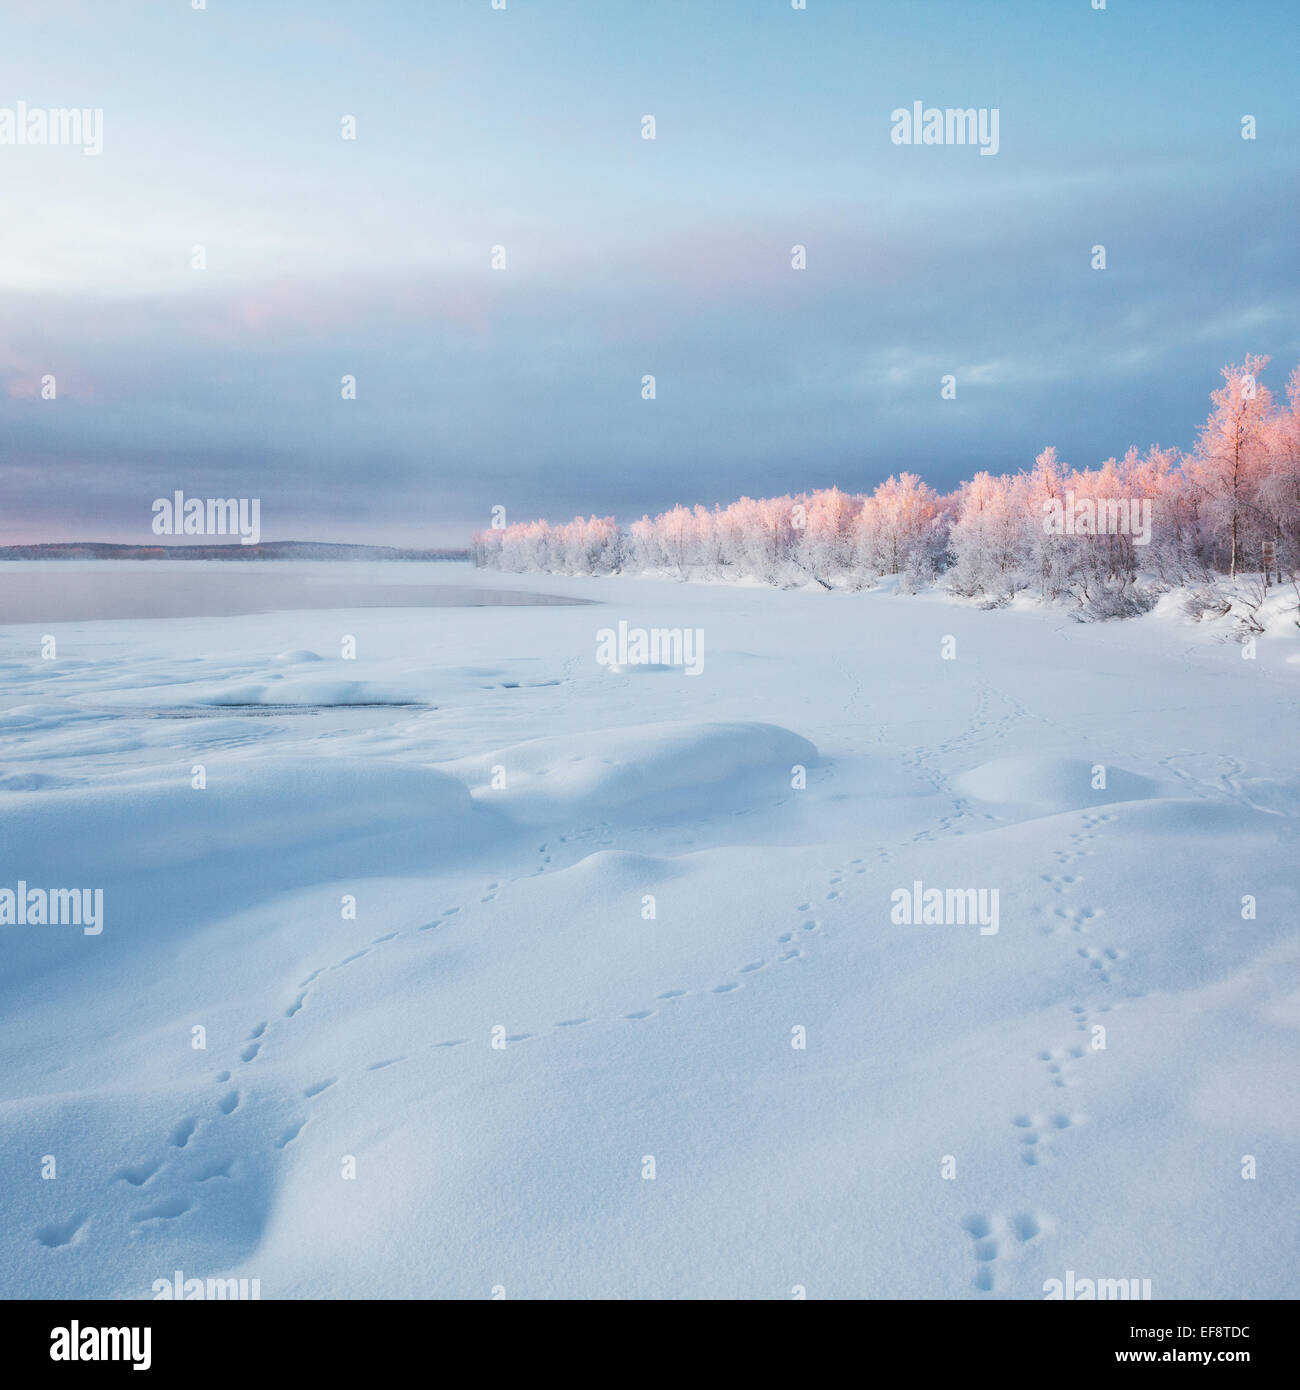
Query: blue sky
x: 522, y: 128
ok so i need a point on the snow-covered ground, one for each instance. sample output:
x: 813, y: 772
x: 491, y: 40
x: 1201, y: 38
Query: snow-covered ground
x: 542, y: 1089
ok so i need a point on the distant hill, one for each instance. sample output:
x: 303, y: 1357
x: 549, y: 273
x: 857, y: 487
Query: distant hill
x: 265, y: 550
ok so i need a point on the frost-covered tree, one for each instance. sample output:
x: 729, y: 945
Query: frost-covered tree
x: 1278, y: 494
x: 1230, y: 461
x: 988, y: 538
x: 823, y: 547
x: 900, y: 529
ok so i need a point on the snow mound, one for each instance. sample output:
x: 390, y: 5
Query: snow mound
x: 295, y: 658
x: 660, y: 769
x: 1050, y: 784
x: 614, y: 876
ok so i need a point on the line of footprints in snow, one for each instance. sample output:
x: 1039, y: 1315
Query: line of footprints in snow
x: 1035, y: 1131
x: 991, y: 1233
x: 988, y: 1233
x: 172, y: 1207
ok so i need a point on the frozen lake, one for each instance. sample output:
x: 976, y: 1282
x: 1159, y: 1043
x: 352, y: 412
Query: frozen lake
x: 50, y: 591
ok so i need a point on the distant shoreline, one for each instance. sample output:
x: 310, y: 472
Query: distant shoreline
x: 266, y: 550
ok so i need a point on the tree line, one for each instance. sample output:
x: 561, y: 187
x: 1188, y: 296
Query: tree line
x: 1107, y: 539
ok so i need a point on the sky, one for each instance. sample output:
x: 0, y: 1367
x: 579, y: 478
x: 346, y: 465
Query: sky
x: 522, y: 128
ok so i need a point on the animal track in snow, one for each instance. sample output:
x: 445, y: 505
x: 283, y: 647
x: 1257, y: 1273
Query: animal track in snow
x: 784, y: 938
x: 183, y: 1132
x: 1060, y: 882
x: 1081, y: 1019
x: 1077, y: 917
x: 980, y: 1230
x: 168, y: 1209
x: 993, y: 1235
x: 290, y: 1135
x: 1059, y: 1061
x: 1102, y: 959
x: 137, y: 1174
x: 59, y: 1233
x: 1033, y: 1127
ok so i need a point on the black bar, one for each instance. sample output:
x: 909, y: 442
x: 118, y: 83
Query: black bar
x: 969, y: 1338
